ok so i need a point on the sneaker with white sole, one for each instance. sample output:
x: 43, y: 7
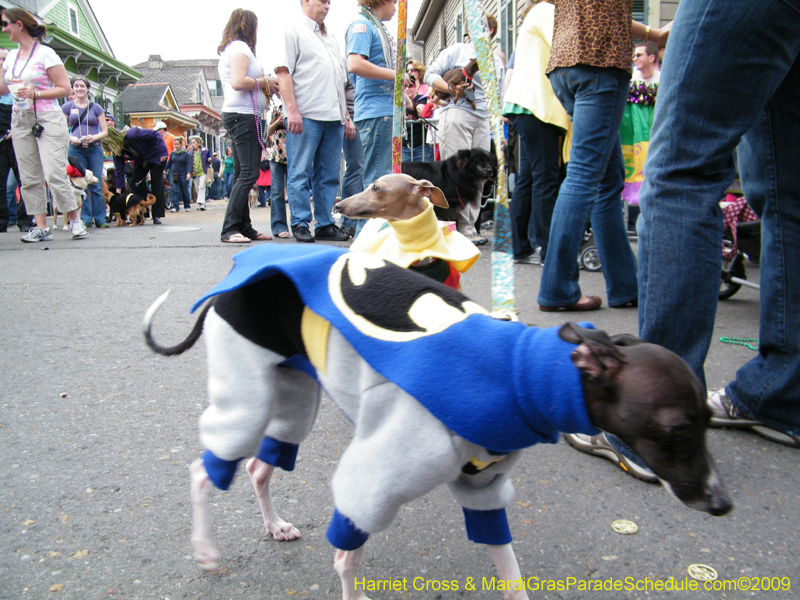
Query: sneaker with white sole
x: 598, y: 445
x: 37, y: 234
x: 77, y: 229
x: 725, y: 414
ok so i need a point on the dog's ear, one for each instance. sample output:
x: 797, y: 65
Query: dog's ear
x: 625, y: 339
x: 423, y: 187
x: 596, y: 355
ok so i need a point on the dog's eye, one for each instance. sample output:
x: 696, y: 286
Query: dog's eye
x: 375, y: 187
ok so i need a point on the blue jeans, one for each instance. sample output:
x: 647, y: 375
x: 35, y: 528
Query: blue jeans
x: 277, y: 201
x: 94, y: 205
x: 181, y: 194
x: 688, y: 170
x: 353, y: 180
x: 422, y: 153
x: 318, y: 147
x: 376, y: 137
x: 263, y: 195
x: 227, y: 180
x: 595, y: 99
x: 536, y: 188
x: 246, y: 160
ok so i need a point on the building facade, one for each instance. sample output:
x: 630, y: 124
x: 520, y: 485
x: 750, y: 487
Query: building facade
x: 75, y: 34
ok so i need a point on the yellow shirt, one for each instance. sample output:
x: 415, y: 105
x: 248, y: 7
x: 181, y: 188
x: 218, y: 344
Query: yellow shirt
x: 530, y: 87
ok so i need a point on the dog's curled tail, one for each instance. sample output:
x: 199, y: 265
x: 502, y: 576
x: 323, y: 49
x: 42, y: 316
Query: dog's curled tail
x: 151, y: 199
x: 182, y: 347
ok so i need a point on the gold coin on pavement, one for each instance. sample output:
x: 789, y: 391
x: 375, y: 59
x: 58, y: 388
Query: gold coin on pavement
x: 702, y: 572
x: 624, y: 527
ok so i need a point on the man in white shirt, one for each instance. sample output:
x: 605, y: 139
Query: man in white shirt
x: 312, y: 76
x: 644, y: 59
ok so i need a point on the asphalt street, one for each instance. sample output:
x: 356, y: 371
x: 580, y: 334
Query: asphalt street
x: 97, y: 432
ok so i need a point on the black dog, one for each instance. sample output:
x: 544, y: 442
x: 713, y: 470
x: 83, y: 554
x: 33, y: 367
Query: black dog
x: 461, y: 177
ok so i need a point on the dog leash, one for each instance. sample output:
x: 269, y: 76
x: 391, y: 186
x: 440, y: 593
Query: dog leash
x: 740, y: 342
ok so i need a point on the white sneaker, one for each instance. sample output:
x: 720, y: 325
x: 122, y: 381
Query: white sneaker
x: 77, y: 229
x: 37, y: 234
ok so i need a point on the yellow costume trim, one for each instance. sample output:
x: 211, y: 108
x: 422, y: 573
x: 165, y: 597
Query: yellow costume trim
x: 315, y: 330
x: 414, y: 239
x: 481, y: 465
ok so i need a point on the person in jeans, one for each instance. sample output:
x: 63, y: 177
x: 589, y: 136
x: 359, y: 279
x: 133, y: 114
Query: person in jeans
x: 312, y: 74
x: 276, y: 155
x: 688, y: 170
x: 179, y: 167
x: 244, y: 87
x: 590, y: 71
x: 87, y: 126
x: 353, y: 152
x: 227, y: 172
x: 36, y: 77
x: 540, y: 121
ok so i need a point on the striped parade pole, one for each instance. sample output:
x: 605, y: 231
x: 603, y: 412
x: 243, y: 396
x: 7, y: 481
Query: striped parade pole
x: 399, y: 100
x: 502, y: 248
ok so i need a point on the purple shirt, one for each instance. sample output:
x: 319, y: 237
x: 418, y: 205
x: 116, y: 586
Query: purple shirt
x: 89, y: 124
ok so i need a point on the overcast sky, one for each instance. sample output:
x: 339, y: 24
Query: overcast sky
x: 184, y: 29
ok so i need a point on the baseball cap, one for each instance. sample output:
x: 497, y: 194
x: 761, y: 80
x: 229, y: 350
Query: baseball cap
x: 160, y: 125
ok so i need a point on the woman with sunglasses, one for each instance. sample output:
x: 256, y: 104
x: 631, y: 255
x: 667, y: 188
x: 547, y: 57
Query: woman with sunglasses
x: 87, y: 126
x: 34, y: 74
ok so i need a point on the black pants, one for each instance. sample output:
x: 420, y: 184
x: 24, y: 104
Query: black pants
x: 138, y: 184
x: 246, y: 158
x: 8, y: 161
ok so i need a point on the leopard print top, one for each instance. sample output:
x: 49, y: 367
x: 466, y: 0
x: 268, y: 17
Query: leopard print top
x: 592, y: 32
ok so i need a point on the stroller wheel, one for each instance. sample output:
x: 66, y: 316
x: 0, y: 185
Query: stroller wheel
x: 590, y: 259
x: 731, y: 268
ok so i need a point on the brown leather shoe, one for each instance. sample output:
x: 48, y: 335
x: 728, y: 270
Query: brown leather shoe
x: 593, y: 303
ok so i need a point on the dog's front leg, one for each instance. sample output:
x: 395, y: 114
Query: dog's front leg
x: 205, y: 551
x: 508, y: 569
x: 260, y: 474
x: 346, y: 564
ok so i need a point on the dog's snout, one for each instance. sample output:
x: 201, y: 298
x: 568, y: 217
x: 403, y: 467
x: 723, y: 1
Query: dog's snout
x: 719, y: 506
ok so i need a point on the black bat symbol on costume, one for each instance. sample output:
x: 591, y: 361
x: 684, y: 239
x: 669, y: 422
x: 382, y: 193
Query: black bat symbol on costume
x: 403, y: 287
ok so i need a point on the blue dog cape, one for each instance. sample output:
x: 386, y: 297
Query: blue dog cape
x: 501, y: 385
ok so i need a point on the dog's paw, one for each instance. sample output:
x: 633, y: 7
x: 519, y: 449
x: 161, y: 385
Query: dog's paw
x: 205, y: 554
x: 281, y: 531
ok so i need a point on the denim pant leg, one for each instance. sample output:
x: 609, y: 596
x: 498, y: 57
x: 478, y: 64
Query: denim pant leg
x: 327, y: 166
x: 353, y: 183
x: 608, y: 225
x: 689, y: 167
x: 520, y: 209
x: 376, y: 137
x: 300, y: 151
x: 768, y: 386
x: 595, y: 99
x: 6, y: 156
x: 246, y: 159
x: 92, y: 158
x: 278, y: 198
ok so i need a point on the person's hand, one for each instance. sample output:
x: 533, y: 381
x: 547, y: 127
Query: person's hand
x: 188, y: 177
x: 349, y: 130
x: 295, y: 124
x: 74, y: 141
x: 273, y: 87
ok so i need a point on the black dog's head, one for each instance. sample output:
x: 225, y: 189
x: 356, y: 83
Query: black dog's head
x: 649, y: 398
x: 476, y: 164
